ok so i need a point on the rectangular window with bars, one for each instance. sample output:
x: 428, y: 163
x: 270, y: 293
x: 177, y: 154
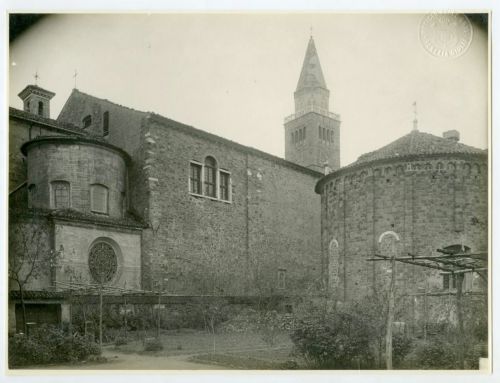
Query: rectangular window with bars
x: 195, y: 178
x: 224, y: 186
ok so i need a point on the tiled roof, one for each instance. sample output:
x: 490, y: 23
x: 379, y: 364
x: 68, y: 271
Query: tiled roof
x: 417, y: 143
x: 414, y: 144
x: 74, y: 215
x: 130, y: 220
x: 37, y: 90
x: 36, y: 294
x: 20, y: 114
x: 91, y: 139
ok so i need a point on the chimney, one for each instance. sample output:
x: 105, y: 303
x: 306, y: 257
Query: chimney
x: 36, y: 100
x: 452, y: 135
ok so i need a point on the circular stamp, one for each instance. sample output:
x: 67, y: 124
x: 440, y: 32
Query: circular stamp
x: 446, y: 35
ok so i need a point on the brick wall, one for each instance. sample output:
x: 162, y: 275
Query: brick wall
x: 428, y: 208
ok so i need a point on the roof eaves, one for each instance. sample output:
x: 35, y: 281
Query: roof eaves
x: 201, y: 133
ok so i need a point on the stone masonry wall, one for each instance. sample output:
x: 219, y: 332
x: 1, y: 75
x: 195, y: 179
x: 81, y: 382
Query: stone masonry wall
x: 211, y: 246
x: 80, y: 164
x: 429, y: 203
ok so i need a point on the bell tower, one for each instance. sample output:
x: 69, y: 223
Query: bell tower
x: 312, y: 133
x: 36, y: 100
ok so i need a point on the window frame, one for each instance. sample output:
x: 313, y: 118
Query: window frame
x: 206, y: 183
x: 88, y: 118
x: 200, y: 165
x: 53, y: 200
x: 92, y: 207
x: 218, y: 171
x: 229, y: 194
x: 40, y: 109
x: 105, y: 124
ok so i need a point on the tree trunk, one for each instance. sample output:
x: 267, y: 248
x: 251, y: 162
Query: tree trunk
x: 100, y: 318
x: 23, y: 307
x: 460, y: 319
x: 390, y: 316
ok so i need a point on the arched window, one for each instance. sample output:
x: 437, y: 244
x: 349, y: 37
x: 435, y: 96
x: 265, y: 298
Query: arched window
x: 333, y: 266
x: 210, y: 177
x: 319, y: 132
x: 304, y: 133
x: 40, y: 108
x: 105, y: 124
x: 99, y: 198
x: 87, y: 120
x: 60, y: 195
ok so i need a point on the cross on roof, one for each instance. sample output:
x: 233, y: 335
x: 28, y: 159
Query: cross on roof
x: 36, y: 76
x: 74, y: 76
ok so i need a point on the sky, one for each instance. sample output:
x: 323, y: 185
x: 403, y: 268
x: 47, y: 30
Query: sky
x: 234, y: 74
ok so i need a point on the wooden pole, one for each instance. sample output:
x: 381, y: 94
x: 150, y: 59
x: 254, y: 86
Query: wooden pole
x: 100, y: 318
x: 461, y: 351
x: 159, y: 302
x: 390, y: 314
x: 425, y: 312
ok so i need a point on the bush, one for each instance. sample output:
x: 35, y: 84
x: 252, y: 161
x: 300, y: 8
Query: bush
x: 49, y: 344
x: 121, y: 341
x: 153, y: 344
x: 442, y: 353
x: 334, y: 342
x: 401, y: 346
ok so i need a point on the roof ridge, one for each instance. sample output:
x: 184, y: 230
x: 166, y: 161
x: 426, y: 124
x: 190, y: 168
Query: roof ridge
x: 416, y: 143
x: 46, y: 121
x: 108, y: 101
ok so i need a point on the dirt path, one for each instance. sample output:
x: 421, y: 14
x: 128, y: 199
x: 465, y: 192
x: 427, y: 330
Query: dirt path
x: 119, y: 361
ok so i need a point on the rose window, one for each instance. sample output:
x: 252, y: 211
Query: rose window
x: 103, y: 263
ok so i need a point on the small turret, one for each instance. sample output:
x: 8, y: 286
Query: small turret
x: 36, y: 100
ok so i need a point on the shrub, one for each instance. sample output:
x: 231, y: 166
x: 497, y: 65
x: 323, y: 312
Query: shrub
x: 401, y: 346
x: 269, y: 326
x: 334, y: 342
x: 443, y: 353
x: 49, y: 344
x: 153, y: 344
x: 120, y: 341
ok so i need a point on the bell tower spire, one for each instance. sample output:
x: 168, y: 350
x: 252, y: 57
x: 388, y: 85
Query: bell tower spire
x: 312, y: 132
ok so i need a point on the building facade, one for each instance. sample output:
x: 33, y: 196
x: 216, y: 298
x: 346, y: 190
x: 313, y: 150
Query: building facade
x: 158, y: 200
x: 136, y: 200
x: 431, y: 192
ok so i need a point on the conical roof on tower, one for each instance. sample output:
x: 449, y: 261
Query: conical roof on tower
x: 311, y: 75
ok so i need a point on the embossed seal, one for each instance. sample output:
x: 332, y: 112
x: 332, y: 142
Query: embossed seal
x: 446, y: 35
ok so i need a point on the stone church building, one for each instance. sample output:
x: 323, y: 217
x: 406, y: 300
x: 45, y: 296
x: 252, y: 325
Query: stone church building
x: 158, y: 200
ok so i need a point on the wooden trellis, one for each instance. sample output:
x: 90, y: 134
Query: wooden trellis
x: 452, y: 260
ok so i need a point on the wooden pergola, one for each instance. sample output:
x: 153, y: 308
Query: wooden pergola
x: 455, y: 260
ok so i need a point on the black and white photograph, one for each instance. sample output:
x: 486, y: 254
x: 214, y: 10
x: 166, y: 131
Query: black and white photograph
x: 289, y: 191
